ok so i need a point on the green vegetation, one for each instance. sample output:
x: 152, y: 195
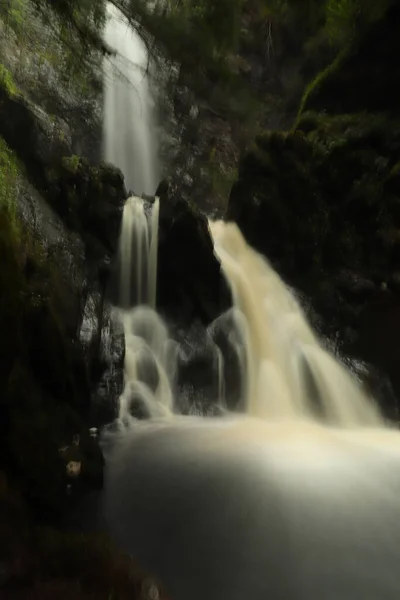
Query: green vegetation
x: 361, y: 77
x: 65, y: 76
x: 203, y: 36
x: 8, y: 179
x: 346, y: 19
x: 7, y: 81
x: 314, y: 86
x: 214, y: 29
x: 71, y: 163
x: 70, y: 20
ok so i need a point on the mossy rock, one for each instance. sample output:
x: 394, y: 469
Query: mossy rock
x: 89, y: 199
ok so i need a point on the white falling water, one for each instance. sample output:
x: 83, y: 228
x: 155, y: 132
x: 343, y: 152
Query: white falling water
x: 294, y: 498
x: 281, y: 351
x: 137, y: 254
x: 280, y: 345
x: 149, y: 353
x: 129, y: 131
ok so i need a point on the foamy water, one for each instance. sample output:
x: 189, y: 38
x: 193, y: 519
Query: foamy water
x: 243, y: 508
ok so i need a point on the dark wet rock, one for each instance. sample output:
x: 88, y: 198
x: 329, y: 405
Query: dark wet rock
x: 76, y: 562
x: 384, y: 390
x: 197, y: 369
x: 351, y: 284
x: 90, y: 200
x: 379, y: 331
x: 394, y: 282
x: 104, y: 402
x: 190, y: 283
x: 55, y: 252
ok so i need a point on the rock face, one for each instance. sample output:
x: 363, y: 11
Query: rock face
x: 323, y: 201
x: 59, y: 225
x: 190, y: 285
x: 89, y: 199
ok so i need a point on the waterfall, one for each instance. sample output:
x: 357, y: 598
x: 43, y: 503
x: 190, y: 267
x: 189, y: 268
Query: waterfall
x: 282, y: 352
x: 129, y: 130
x: 149, y: 353
x: 137, y: 254
x: 286, y: 373
x: 295, y: 496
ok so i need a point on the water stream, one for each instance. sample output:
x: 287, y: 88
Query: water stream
x: 129, y: 132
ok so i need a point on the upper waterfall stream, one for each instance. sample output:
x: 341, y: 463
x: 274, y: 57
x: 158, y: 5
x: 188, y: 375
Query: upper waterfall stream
x: 129, y: 131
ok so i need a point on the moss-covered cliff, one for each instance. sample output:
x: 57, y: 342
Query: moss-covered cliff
x: 59, y: 222
x: 322, y: 201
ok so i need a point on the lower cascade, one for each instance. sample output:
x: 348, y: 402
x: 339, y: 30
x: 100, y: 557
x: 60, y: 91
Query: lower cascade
x: 294, y: 495
x: 286, y: 373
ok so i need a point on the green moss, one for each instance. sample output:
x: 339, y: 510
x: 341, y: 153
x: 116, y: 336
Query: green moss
x: 364, y: 75
x: 9, y: 169
x: 7, y: 81
x: 72, y: 163
x: 14, y: 13
x: 314, y: 86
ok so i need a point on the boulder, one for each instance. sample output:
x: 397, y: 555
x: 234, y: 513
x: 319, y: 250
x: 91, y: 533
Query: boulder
x: 90, y: 201
x: 190, y: 284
